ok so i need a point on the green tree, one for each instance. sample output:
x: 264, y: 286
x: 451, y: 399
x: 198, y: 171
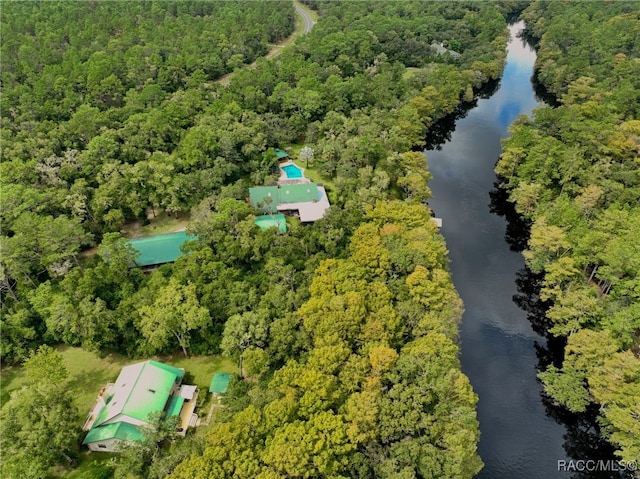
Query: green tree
x: 135, y: 458
x: 39, y: 424
x: 242, y: 331
x: 175, y: 313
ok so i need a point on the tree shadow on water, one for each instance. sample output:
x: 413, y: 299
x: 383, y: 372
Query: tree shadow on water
x: 583, y: 440
x: 440, y: 132
x: 517, y: 232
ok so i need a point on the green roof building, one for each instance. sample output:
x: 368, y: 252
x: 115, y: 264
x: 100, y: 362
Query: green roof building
x: 159, y: 249
x: 175, y: 406
x: 219, y: 383
x: 269, y: 198
x: 272, y: 221
x: 265, y: 198
x: 281, y: 154
x: 121, y: 431
x: 124, y: 408
x: 308, y: 200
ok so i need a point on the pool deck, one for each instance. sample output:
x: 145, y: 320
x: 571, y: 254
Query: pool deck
x: 285, y: 180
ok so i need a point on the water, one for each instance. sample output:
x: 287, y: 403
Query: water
x: 518, y: 439
x: 292, y: 171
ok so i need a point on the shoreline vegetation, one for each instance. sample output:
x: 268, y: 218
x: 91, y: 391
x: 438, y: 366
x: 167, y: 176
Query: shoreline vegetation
x: 572, y: 172
x: 345, y: 329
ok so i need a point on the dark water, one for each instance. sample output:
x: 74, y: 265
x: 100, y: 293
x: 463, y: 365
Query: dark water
x: 503, y: 335
x: 498, y: 344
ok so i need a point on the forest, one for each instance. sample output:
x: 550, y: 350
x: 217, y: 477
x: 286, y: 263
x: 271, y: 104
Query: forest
x: 573, y: 172
x: 346, y: 328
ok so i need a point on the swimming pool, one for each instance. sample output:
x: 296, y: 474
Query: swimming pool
x: 292, y: 171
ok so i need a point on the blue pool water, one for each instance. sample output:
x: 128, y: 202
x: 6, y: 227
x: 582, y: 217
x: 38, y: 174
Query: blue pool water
x: 292, y: 171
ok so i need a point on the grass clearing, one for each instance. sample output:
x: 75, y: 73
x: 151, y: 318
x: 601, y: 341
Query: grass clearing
x: 409, y: 72
x: 162, y: 223
x: 88, y: 372
x: 200, y: 369
x: 10, y: 380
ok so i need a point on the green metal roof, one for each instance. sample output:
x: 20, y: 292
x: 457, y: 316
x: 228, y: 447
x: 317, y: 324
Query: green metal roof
x: 300, y: 193
x: 219, y: 383
x: 103, y: 415
x: 141, y: 389
x: 159, y: 249
x: 261, y: 195
x: 119, y: 430
x: 172, y: 369
x: 281, y: 154
x: 272, y: 221
x: 151, y: 390
x: 175, y: 405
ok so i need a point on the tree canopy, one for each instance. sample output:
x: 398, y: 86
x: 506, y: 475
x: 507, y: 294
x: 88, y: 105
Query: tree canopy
x: 38, y: 425
x: 574, y: 172
x: 335, y: 322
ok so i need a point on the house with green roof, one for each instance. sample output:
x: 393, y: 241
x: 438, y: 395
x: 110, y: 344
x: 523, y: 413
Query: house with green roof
x: 141, y: 391
x: 307, y: 200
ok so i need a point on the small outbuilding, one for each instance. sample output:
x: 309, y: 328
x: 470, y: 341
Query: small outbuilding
x: 159, y: 249
x: 281, y: 155
x: 219, y: 384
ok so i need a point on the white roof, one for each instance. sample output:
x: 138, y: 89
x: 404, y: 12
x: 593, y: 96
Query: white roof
x: 309, y: 210
x: 122, y: 389
x: 187, y: 392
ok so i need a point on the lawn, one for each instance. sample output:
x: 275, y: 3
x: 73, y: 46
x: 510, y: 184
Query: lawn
x: 409, y: 72
x: 88, y: 373
x: 200, y: 369
x: 11, y: 379
x: 161, y: 223
x: 90, y: 466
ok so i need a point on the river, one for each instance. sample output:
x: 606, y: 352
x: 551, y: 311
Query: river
x: 518, y: 439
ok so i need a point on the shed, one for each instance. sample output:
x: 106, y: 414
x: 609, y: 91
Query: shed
x: 160, y: 249
x: 281, y: 154
x: 219, y: 383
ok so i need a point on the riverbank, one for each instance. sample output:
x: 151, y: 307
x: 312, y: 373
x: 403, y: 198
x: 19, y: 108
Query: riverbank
x: 498, y: 350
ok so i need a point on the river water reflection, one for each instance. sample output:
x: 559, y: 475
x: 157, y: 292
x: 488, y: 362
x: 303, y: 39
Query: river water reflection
x: 518, y: 439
